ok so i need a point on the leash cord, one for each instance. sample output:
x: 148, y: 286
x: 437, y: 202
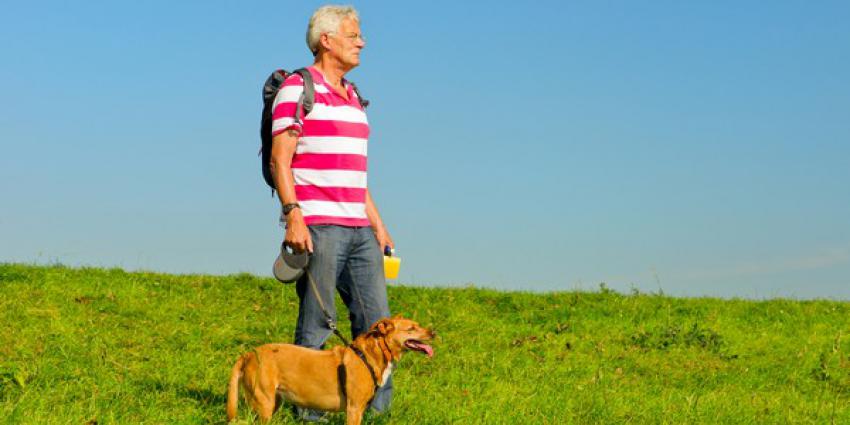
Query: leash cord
x: 330, y: 321
x: 332, y: 325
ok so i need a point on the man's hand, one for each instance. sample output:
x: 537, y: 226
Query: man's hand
x: 384, y: 239
x: 381, y: 233
x: 297, y: 234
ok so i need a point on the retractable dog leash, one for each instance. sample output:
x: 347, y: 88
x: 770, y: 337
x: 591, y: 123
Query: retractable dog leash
x: 332, y: 325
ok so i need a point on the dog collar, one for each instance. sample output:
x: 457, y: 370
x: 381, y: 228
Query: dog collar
x: 385, y: 350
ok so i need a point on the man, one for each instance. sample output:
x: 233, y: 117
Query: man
x: 319, y: 168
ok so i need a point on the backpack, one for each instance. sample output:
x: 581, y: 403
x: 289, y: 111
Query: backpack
x: 304, y: 106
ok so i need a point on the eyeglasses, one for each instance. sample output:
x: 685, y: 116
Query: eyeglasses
x: 351, y: 36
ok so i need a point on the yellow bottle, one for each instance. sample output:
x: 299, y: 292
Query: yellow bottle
x: 391, y: 263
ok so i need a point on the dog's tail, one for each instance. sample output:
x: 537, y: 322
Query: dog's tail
x: 233, y: 389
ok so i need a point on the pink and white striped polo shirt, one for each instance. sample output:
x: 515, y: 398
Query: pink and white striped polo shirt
x: 329, y: 165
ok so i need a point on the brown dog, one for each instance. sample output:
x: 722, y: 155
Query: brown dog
x: 331, y: 380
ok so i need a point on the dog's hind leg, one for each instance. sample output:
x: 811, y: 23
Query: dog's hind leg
x: 259, y: 391
x: 265, y: 411
x: 264, y: 401
x: 353, y: 414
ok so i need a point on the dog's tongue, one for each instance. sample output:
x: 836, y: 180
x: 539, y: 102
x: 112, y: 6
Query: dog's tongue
x: 425, y: 348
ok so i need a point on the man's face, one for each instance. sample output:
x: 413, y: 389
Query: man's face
x: 347, y: 42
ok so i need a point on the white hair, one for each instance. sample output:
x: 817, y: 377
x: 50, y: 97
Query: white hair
x: 327, y: 19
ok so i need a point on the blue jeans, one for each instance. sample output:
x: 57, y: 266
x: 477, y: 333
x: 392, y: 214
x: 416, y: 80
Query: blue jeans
x: 349, y: 260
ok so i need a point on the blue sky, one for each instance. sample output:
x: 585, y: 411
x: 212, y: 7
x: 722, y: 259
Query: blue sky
x: 703, y: 148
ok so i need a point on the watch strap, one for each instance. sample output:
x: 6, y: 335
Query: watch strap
x: 287, y: 208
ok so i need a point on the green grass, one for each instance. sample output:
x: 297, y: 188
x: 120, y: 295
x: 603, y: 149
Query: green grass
x: 91, y: 345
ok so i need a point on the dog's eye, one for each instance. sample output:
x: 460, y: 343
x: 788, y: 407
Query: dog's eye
x: 411, y: 329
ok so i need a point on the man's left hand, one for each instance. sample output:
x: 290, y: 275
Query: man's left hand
x: 384, y: 238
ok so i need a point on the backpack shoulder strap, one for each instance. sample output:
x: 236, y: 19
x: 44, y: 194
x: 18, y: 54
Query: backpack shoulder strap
x: 363, y: 102
x: 309, y: 95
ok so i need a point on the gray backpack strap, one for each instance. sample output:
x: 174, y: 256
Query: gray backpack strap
x: 308, y: 96
x: 363, y: 102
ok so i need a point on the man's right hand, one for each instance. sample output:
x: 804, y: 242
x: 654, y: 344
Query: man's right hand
x: 297, y: 234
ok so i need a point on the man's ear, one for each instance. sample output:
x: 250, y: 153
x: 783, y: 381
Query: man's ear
x: 324, y: 41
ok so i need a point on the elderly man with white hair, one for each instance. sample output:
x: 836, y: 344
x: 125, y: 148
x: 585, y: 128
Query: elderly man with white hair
x: 318, y: 163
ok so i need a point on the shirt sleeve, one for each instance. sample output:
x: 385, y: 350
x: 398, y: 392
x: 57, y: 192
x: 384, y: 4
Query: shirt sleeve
x: 285, y: 103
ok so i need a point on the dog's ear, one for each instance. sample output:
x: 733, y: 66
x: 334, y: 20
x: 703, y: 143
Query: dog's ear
x: 384, y: 326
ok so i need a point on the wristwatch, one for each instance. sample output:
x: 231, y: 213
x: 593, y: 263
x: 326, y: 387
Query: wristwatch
x: 287, y: 208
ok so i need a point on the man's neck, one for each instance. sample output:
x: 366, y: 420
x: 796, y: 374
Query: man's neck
x: 332, y: 72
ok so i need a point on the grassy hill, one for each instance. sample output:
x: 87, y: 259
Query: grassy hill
x: 85, y: 346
